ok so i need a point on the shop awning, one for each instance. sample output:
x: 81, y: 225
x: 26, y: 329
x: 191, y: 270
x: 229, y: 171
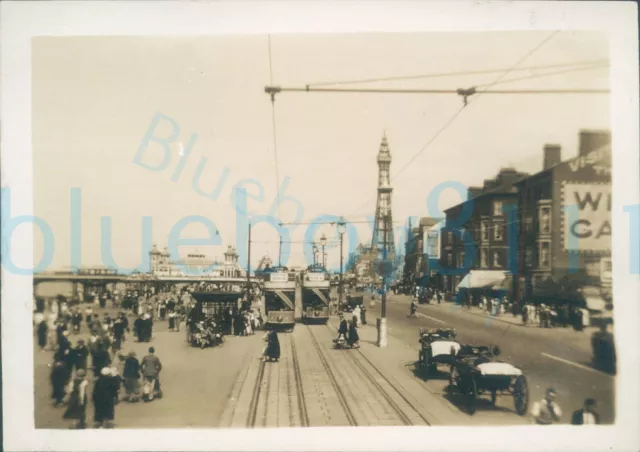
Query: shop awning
x: 593, y: 298
x: 482, y: 279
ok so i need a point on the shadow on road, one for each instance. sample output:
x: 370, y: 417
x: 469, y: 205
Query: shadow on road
x: 482, y: 403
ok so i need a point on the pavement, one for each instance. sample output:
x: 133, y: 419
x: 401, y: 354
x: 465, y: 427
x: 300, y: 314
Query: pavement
x: 196, y: 383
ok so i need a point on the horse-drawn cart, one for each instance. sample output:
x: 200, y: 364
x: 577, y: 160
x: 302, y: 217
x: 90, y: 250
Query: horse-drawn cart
x: 437, y: 347
x: 476, y: 372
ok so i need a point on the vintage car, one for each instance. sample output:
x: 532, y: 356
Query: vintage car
x: 476, y: 371
x: 437, y: 347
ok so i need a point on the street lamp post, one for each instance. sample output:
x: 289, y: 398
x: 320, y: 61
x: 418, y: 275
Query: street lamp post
x: 323, y: 242
x: 315, y: 254
x: 341, y: 229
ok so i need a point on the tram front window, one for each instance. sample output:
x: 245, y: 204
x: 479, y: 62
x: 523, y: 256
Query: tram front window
x: 274, y: 303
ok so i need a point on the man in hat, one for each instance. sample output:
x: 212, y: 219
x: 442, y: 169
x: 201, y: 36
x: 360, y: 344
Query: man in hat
x: 60, y: 375
x: 546, y: 411
x: 151, y: 367
x: 587, y: 415
x: 80, y: 354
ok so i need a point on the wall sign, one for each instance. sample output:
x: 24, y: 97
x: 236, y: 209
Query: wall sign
x: 587, y: 217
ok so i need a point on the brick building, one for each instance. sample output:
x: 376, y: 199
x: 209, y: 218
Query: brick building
x: 479, y: 233
x: 565, y: 213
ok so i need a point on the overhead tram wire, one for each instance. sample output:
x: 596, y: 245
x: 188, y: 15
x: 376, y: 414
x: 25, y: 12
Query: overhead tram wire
x: 273, y: 125
x: 453, y: 118
x: 454, y: 74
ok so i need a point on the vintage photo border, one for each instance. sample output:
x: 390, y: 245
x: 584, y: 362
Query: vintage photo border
x: 23, y: 20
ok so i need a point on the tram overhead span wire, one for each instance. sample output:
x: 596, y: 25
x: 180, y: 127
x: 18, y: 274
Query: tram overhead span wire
x: 459, y: 73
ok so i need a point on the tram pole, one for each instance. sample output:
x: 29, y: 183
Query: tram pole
x: 249, y: 269
x: 382, y: 321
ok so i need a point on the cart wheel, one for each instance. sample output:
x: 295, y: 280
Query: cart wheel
x: 472, y: 394
x: 493, y: 397
x: 521, y: 395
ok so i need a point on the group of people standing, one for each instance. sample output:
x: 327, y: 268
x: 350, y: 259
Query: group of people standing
x: 348, y: 330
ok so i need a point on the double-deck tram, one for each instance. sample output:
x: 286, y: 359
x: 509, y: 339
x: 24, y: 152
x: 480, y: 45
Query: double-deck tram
x: 316, y: 290
x: 280, y: 297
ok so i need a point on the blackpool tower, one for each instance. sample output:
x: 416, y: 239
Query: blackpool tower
x: 382, y: 228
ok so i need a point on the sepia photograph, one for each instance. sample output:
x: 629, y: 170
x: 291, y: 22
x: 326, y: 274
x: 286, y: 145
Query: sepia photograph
x: 270, y: 230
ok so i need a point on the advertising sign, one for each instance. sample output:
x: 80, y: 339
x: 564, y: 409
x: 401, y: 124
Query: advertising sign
x: 316, y: 277
x: 279, y: 277
x: 587, y: 217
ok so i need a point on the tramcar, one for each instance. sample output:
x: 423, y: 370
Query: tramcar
x: 280, y: 296
x: 316, y: 295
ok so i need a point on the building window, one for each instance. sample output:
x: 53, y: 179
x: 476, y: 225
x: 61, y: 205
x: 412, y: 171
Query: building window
x: 497, y: 231
x: 460, y: 260
x: 483, y: 258
x: 484, y: 229
x: 449, y: 237
x: 497, y: 208
x: 496, y: 259
x: 545, y: 220
x: 528, y: 223
x: 528, y: 257
x: 545, y: 248
x: 449, y: 259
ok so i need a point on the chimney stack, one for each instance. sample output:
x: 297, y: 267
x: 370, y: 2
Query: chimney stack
x: 552, y: 155
x: 591, y: 140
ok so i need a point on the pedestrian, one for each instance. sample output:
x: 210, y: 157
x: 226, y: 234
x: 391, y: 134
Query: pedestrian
x: 356, y: 315
x: 100, y: 359
x: 138, y: 328
x: 43, y: 330
x: 77, y: 405
x: 104, y: 400
x: 151, y: 367
x: 343, y: 328
x: 353, y: 339
x: 60, y: 375
x: 76, y: 320
x: 525, y: 315
x: 273, y: 346
x: 131, y: 376
x: 118, y: 334
x: 587, y: 415
x: 147, y: 328
x: 546, y: 411
x: 116, y: 381
x: 80, y: 355
x: 363, y: 314
x: 172, y: 321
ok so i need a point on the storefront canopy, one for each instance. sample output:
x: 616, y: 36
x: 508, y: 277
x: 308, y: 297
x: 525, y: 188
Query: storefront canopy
x: 483, y: 279
x: 593, y: 298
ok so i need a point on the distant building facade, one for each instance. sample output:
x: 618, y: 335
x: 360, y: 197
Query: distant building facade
x: 195, y: 264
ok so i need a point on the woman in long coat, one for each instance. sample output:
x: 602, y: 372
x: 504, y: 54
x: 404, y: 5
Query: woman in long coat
x: 353, y: 338
x: 43, y: 329
x: 104, y: 399
x: 273, y: 346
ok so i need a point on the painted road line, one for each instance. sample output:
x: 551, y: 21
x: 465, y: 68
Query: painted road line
x: 571, y: 363
x: 429, y: 317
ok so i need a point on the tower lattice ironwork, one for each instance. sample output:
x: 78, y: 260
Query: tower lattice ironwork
x: 383, y: 226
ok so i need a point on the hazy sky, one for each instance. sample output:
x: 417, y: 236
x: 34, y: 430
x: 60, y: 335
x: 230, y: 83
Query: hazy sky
x: 94, y: 99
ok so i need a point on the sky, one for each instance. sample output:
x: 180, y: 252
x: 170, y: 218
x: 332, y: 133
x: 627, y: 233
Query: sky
x: 95, y: 99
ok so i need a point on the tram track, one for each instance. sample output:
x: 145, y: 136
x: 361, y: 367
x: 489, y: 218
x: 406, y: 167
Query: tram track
x: 302, y: 402
x: 334, y: 382
x: 370, y: 370
x: 391, y: 385
x: 255, y: 398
